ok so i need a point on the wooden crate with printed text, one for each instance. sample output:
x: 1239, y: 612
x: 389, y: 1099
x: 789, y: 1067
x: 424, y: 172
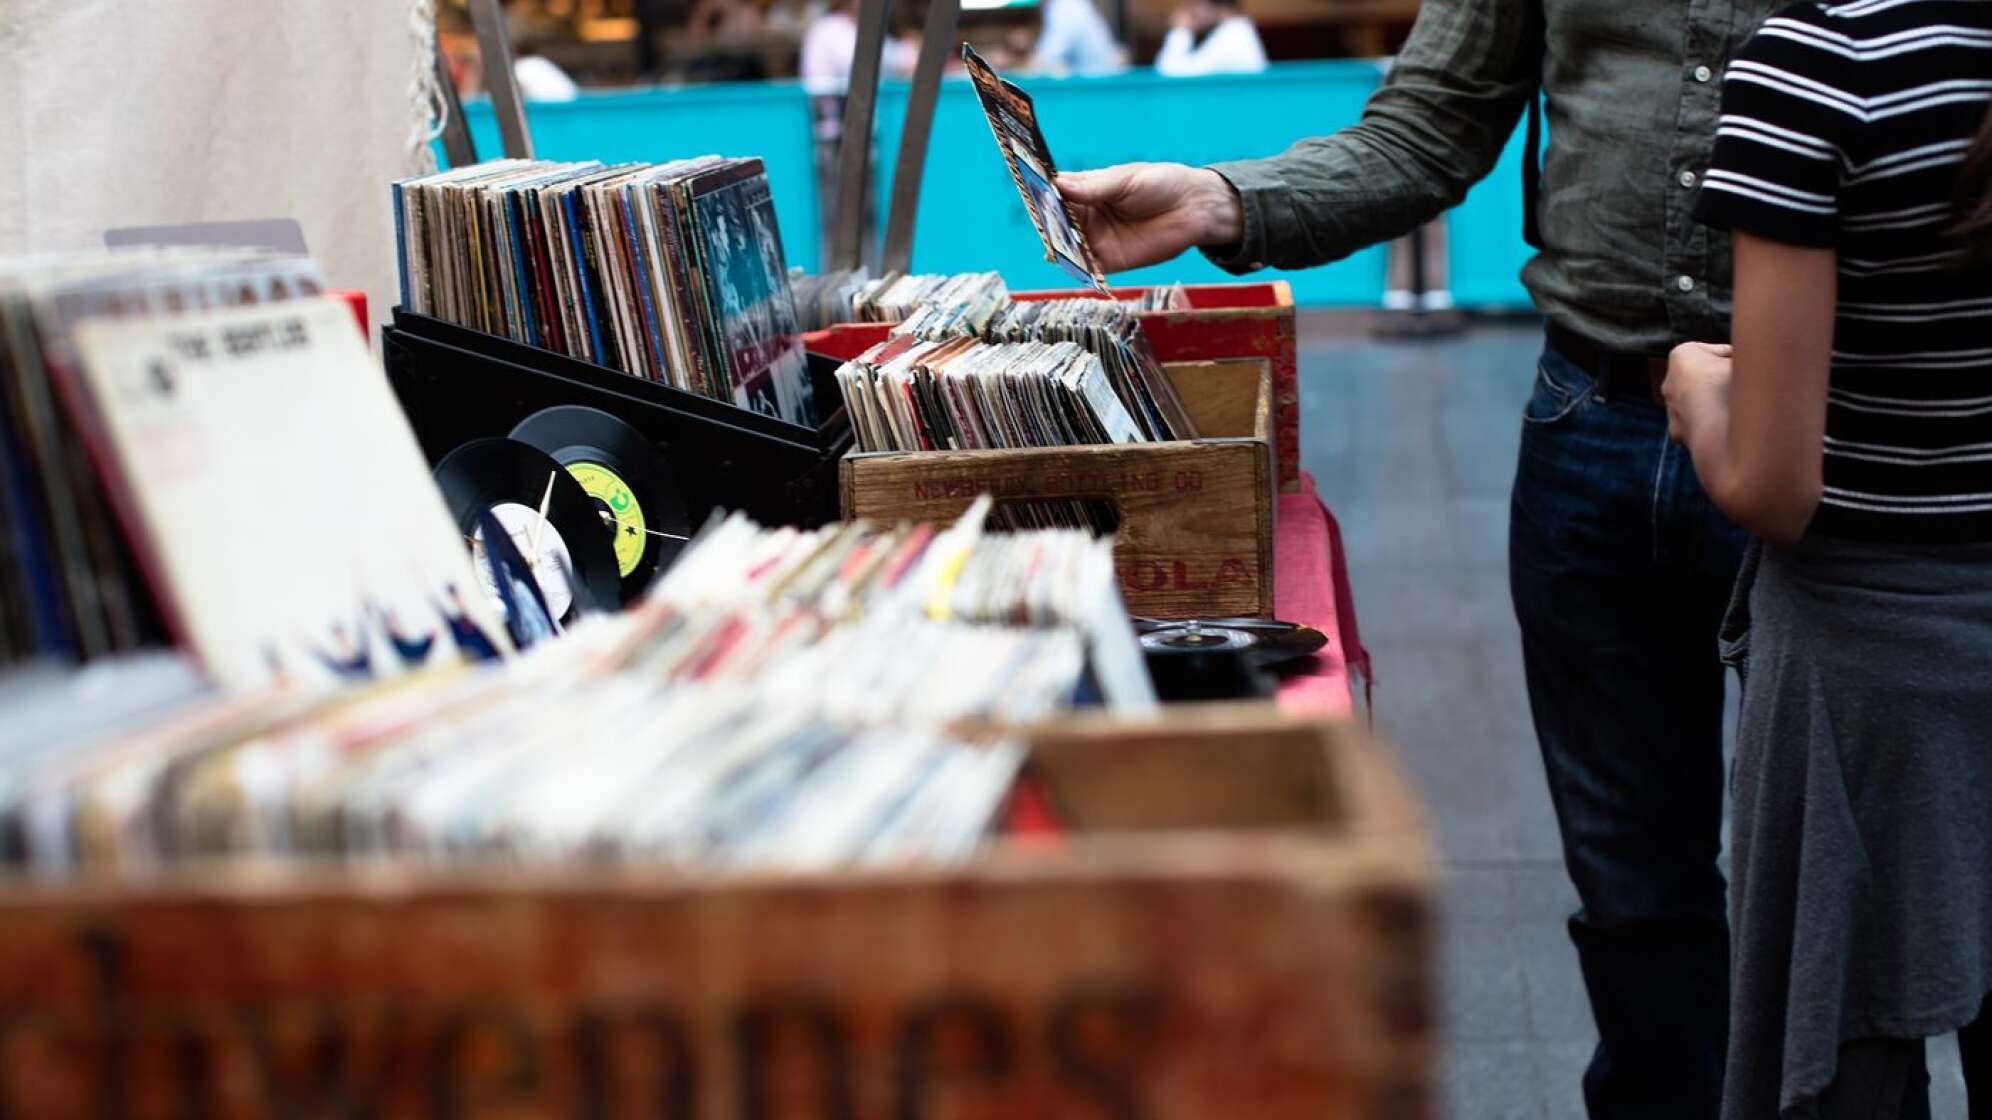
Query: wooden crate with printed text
x: 1195, y: 517
x: 1234, y: 919
x: 1244, y: 320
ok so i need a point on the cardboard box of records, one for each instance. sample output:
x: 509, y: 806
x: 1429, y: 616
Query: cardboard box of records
x: 1239, y: 910
x: 1203, y: 322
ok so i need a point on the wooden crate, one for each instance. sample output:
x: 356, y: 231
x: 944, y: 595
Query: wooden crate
x: 1196, y: 516
x: 1251, y: 320
x: 1239, y: 924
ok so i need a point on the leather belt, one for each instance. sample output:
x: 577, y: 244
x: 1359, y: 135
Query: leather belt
x: 1620, y: 376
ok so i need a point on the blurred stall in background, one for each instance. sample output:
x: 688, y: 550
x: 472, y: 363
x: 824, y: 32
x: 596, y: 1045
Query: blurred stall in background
x: 609, y: 43
x: 663, y: 79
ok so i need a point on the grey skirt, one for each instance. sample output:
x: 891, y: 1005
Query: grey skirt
x: 1861, y: 833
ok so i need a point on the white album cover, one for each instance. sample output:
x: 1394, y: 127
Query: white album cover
x: 279, y: 499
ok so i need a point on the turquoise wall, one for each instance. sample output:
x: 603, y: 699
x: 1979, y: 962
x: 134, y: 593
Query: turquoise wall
x: 970, y: 216
x: 770, y: 120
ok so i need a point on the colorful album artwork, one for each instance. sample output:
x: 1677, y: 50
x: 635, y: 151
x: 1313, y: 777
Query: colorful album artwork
x: 1013, y: 119
x: 734, y: 213
x: 670, y: 272
x: 278, y: 498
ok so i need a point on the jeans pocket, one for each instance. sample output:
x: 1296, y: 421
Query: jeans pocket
x: 1556, y: 396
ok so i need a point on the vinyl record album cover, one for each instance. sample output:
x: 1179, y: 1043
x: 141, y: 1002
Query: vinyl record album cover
x: 670, y: 272
x: 281, y: 501
x: 71, y: 584
x: 1013, y: 119
x: 747, y: 289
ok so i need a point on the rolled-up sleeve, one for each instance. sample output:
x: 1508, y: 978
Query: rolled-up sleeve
x: 1435, y: 127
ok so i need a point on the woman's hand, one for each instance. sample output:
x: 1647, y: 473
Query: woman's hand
x: 1141, y: 213
x: 1697, y: 387
x: 1757, y: 444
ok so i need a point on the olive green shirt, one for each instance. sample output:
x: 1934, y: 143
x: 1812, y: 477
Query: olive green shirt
x: 1632, y: 92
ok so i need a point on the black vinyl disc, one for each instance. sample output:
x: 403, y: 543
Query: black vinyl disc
x: 1264, y: 642
x: 626, y: 478
x: 1182, y: 675
x: 510, y: 478
x: 1192, y: 638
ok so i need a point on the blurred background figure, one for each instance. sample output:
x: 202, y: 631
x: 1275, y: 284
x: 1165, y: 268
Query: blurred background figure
x: 824, y: 65
x: 1211, y: 37
x: 540, y: 78
x: 724, y: 41
x: 1415, y: 270
x: 1076, y: 40
x: 605, y: 44
x: 653, y: 18
x: 831, y: 42
x: 531, y: 33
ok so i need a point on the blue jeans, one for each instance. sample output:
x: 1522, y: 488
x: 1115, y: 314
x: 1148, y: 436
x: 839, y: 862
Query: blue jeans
x: 1620, y: 569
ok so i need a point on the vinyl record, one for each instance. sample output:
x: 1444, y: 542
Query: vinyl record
x: 1262, y: 641
x: 630, y: 483
x: 510, y: 478
x: 1200, y: 639
x: 1188, y: 675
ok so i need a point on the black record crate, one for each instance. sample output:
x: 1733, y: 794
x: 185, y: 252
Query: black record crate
x: 458, y: 384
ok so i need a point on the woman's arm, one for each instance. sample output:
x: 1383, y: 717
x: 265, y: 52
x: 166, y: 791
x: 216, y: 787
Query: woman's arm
x: 1755, y: 419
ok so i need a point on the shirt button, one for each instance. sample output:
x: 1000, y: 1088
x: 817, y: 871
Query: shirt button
x: 1685, y: 283
x: 1703, y: 73
x: 1687, y: 178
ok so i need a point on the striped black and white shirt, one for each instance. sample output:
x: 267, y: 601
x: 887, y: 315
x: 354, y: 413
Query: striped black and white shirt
x: 1844, y: 126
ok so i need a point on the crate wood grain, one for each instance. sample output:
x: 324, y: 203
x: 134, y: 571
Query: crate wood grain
x: 1238, y: 925
x: 1195, y: 536
x: 1237, y: 320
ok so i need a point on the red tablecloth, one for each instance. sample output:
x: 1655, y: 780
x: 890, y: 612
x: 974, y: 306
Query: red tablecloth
x: 1311, y: 586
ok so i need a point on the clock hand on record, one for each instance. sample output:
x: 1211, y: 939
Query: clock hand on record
x: 533, y: 548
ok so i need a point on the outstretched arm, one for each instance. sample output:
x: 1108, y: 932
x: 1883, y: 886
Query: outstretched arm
x: 1434, y: 128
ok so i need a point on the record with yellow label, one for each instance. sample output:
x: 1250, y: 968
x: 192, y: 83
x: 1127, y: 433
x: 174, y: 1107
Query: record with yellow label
x: 552, y: 522
x: 632, y: 486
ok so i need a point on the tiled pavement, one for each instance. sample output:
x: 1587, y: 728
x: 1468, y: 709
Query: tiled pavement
x: 1413, y: 445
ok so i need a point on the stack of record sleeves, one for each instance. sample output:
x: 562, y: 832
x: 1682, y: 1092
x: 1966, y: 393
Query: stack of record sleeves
x: 71, y: 584
x: 1051, y: 374
x: 670, y: 272
x: 964, y: 395
x: 1164, y: 297
x: 895, y: 298
x: 1106, y: 328
x: 783, y: 699
x: 976, y: 305
x: 195, y: 448
x: 854, y: 296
